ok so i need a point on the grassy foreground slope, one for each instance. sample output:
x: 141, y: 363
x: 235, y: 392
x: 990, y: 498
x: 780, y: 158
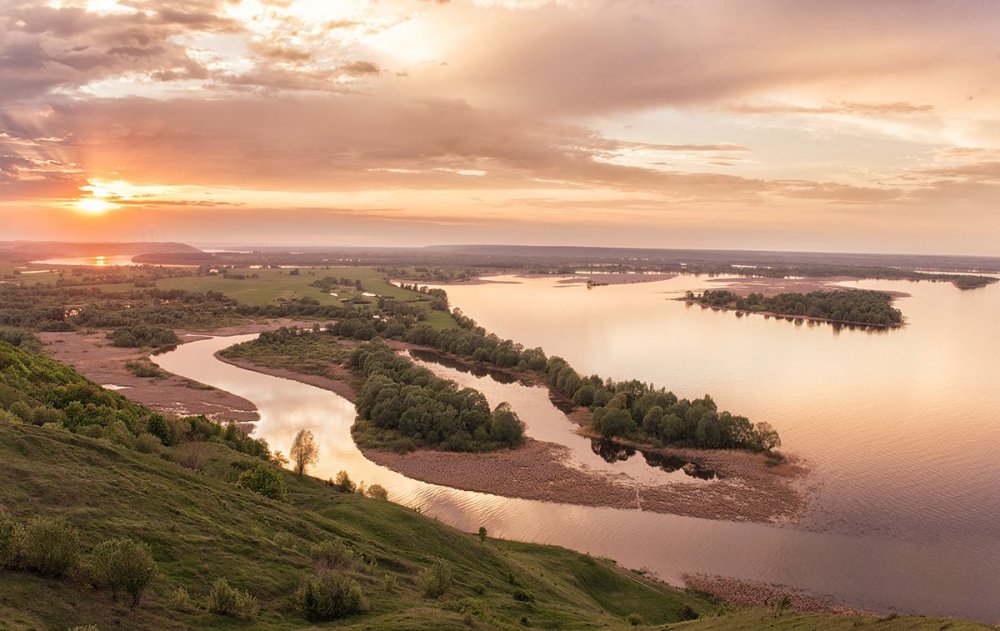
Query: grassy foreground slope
x: 202, y: 527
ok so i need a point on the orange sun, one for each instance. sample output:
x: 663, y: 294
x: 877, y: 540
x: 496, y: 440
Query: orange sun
x: 93, y: 205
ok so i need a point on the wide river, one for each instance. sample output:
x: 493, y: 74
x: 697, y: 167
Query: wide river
x: 901, y: 430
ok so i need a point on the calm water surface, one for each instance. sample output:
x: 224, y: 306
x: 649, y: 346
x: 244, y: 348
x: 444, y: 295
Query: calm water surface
x: 900, y: 428
x: 118, y: 260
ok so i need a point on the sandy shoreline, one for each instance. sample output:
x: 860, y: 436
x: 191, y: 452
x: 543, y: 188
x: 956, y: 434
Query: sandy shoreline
x: 93, y: 356
x: 771, y: 287
x: 537, y: 471
x: 744, y: 593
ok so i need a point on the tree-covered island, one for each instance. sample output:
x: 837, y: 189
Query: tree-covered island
x: 857, y: 307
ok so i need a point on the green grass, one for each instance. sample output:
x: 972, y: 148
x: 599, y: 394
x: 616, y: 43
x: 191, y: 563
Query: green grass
x: 202, y: 527
x: 311, y: 354
x: 272, y: 285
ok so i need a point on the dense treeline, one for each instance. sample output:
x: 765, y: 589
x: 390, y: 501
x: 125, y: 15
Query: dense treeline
x: 432, y: 274
x: 638, y: 411
x: 628, y: 409
x: 408, y: 406
x: 873, y: 308
x: 37, y: 390
x: 140, y: 335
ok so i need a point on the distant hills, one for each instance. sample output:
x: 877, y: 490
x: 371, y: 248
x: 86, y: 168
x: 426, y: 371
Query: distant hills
x: 28, y: 250
x: 746, y: 257
x: 508, y: 256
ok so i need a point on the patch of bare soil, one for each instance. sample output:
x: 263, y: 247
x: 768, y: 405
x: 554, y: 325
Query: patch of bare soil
x: 93, y: 356
x: 539, y: 471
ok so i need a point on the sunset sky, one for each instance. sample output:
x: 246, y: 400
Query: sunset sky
x: 763, y: 124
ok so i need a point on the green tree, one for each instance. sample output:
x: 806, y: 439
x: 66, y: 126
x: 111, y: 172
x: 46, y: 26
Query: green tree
x: 266, y: 480
x: 124, y: 564
x: 304, y: 451
x: 505, y: 427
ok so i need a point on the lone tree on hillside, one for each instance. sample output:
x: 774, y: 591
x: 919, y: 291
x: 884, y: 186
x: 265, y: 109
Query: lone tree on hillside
x: 304, y: 451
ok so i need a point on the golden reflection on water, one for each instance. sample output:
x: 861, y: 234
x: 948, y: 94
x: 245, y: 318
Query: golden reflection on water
x: 900, y: 426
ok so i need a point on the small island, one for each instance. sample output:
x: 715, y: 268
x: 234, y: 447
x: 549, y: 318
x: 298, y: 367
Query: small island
x: 849, y: 307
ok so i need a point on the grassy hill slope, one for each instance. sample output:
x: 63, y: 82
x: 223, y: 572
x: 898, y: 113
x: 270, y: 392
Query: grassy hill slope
x: 202, y: 527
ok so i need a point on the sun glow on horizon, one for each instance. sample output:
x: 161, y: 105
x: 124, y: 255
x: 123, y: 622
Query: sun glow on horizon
x: 102, y: 196
x: 94, y: 205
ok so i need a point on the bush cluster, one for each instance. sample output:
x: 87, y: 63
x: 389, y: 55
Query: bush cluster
x: 329, y: 595
x: 436, y: 580
x: 225, y: 600
x: 44, y: 545
x: 635, y: 410
x: 402, y: 398
x: 141, y: 335
x: 266, y: 480
x: 123, y: 564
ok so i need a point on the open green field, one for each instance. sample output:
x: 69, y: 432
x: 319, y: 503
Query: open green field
x: 276, y: 284
x: 272, y: 285
x: 30, y: 274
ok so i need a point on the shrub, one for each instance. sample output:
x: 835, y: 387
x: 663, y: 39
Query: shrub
x: 266, y: 480
x: 377, y: 491
x: 145, y: 369
x: 687, y: 613
x: 343, y: 483
x: 180, y: 600
x: 633, y: 619
x: 143, y: 335
x: 389, y: 583
x: 332, y: 554
x: 8, y: 539
x: 147, y: 443
x: 436, y: 580
x: 191, y: 456
x: 285, y: 540
x: 117, y: 432
x: 328, y: 596
x: 522, y: 596
x: 124, y: 564
x: 158, y: 426
x: 226, y: 600
x: 47, y: 545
